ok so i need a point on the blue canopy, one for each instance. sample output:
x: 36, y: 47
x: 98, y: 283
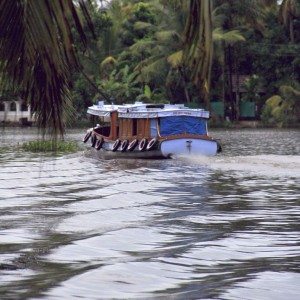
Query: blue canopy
x: 182, y: 124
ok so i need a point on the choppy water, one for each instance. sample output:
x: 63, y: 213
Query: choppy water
x: 225, y: 227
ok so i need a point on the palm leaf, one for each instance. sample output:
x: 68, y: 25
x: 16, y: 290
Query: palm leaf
x: 175, y: 59
x: 153, y: 72
x: 167, y: 36
x: 38, y: 57
x: 141, y: 46
x: 142, y: 25
x: 148, y: 61
x: 108, y: 61
x: 231, y: 36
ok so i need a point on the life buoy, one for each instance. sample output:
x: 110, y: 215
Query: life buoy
x: 124, y: 145
x: 93, y: 140
x: 99, y: 144
x: 132, y: 145
x: 151, y: 144
x: 87, y: 136
x: 116, y: 145
x: 143, y: 144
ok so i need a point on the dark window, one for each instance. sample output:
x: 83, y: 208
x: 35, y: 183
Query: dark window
x: 134, y: 127
x: 2, y: 107
x: 13, y: 106
x: 24, y: 107
x: 103, y: 130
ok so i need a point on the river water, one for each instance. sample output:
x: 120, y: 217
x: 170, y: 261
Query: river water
x: 227, y: 227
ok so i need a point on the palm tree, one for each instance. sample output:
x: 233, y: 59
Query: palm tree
x: 289, y: 11
x: 165, y: 65
x: 233, y: 17
x: 199, y: 44
x: 37, y: 55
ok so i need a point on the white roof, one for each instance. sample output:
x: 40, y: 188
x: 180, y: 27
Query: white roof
x: 142, y: 110
x: 102, y: 110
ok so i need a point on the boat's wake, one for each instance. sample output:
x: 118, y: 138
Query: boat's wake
x: 269, y: 165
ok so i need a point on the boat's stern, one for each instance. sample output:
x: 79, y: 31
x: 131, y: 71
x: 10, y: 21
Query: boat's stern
x: 186, y: 146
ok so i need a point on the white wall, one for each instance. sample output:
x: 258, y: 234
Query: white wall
x: 14, y: 116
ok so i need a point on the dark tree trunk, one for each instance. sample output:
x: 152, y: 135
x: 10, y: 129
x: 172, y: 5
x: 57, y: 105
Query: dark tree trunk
x: 184, y: 82
x: 237, y: 84
x: 292, y: 35
x: 230, y: 81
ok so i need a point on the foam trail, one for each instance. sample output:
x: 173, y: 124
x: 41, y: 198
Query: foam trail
x: 265, y: 165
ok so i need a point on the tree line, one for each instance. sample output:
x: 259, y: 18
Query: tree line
x: 199, y: 52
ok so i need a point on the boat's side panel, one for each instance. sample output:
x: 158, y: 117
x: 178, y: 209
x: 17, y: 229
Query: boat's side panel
x: 167, y: 148
x: 189, y: 147
x: 107, y: 152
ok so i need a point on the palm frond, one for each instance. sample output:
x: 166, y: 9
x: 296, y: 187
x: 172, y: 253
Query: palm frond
x: 38, y: 57
x: 150, y: 60
x: 109, y: 60
x: 230, y: 14
x: 175, y: 59
x: 142, y: 45
x: 153, y: 72
x: 168, y: 36
x: 142, y: 25
x: 231, y: 36
x: 290, y: 92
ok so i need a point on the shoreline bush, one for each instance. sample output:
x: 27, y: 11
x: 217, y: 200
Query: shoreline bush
x: 50, y: 146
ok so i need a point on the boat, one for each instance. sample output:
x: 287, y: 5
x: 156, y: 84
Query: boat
x: 143, y: 130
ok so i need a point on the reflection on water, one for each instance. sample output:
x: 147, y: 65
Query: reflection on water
x: 189, y: 228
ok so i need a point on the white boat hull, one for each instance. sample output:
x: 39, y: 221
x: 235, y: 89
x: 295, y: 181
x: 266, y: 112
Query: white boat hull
x: 185, y: 147
x: 166, y: 149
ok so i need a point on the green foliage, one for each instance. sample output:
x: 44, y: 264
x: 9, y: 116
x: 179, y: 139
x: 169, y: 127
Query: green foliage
x: 50, y: 146
x: 176, y: 59
x: 82, y: 95
x: 99, y: 45
x: 252, y: 85
x: 138, y: 25
x: 139, y: 52
x: 232, y: 36
x: 121, y: 87
x: 149, y: 51
x: 135, y: 67
x: 37, y: 56
x: 147, y: 92
x: 283, y: 110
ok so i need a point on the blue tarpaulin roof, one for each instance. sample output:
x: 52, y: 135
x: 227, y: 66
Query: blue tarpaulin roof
x: 182, y: 124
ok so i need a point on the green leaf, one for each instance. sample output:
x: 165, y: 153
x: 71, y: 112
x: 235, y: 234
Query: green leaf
x: 176, y: 59
x: 229, y: 36
x: 147, y: 91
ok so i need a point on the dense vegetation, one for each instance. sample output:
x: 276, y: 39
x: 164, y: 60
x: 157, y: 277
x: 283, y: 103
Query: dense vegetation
x: 199, y: 52
x: 138, y: 55
x: 57, y: 146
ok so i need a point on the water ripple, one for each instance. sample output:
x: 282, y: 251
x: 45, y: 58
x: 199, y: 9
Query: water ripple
x: 199, y: 228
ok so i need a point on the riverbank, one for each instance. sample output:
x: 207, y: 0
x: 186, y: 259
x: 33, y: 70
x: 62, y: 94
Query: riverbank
x: 255, y: 124
x: 212, y: 124
x: 85, y: 123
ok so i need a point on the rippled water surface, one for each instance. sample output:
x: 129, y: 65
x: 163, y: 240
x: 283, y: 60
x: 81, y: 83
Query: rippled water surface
x: 227, y: 227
